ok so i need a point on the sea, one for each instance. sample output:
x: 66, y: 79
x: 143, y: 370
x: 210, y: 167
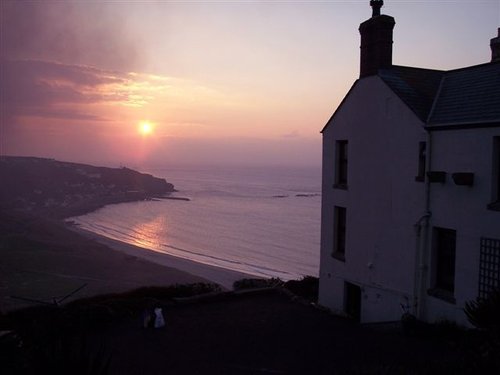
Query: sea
x: 263, y: 221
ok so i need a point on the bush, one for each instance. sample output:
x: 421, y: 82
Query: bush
x: 307, y: 287
x: 129, y: 303
x: 256, y: 283
x: 55, y: 337
x: 484, y: 313
x: 94, y: 313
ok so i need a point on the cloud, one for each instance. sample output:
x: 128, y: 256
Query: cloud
x: 90, y: 33
x: 47, y: 89
x: 291, y: 134
x: 54, y: 90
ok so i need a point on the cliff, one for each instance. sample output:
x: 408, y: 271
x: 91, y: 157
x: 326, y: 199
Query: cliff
x: 61, y: 189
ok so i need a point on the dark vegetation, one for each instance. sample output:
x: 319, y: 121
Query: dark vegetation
x: 55, y: 339
x: 484, y: 314
x: 478, y: 349
x: 305, y: 288
x: 74, y: 338
x: 65, y: 339
x: 61, y: 189
x: 256, y: 283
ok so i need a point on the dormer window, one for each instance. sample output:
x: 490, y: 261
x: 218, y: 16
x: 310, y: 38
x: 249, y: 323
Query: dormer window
x: 341, y: 164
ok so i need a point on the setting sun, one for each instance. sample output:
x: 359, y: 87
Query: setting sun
x: 145, y: 128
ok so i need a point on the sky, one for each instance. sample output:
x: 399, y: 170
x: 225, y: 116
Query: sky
x: 215, y: 82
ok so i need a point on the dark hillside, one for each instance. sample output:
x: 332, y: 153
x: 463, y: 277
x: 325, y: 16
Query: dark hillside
x: 61, y: 189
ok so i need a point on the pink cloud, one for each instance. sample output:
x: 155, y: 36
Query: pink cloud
x: 41, y: 88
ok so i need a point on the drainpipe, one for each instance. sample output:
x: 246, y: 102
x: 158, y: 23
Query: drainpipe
x: 422, y: 239
x: 417, y: 274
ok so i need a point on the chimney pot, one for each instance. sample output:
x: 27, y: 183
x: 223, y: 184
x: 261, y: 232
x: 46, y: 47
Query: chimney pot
x: 376, y: 41
x: 376, y: 5
x: 495, y: 48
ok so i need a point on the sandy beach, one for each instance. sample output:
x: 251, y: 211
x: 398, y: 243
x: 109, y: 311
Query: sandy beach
x: 45, y: 260
x: 224, y: 277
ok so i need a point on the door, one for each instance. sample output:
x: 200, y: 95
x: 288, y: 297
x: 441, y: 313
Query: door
x: 352, y: 301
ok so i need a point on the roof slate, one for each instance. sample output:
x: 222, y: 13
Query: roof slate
x: 456, y: 97
x: 470, y: 95
x: 416, y: 87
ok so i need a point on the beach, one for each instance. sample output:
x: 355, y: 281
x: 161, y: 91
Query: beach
x: 224, y: 277
x: 44, y: 260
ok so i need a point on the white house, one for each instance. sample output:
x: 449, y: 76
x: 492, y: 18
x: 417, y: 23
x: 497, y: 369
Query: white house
x: 411, y: 187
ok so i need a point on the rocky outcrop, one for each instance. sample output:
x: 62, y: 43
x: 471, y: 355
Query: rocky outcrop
x: 62, y: 189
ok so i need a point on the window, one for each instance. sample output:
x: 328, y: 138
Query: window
x: 495, y: 205
x: 339, y: 233
x: 444, y: 263
x: 489, y: 266
x: 497, y: 167
x: 341, y: 165
x: 422, y: 146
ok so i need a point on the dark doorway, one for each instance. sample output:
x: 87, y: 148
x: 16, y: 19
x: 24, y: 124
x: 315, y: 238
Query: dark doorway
x: 352, y: 303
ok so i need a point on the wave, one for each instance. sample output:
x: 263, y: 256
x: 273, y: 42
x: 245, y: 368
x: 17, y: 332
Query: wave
x: 192, y: 255
x: 263, y: 269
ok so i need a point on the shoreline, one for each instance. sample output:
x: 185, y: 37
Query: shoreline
x: 222, y: 276
x: 96, y: 203
x: 43, y: 259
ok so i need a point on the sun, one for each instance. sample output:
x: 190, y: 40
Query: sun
x: 145, y: 128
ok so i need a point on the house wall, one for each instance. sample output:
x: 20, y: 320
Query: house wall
x: 463, y: 209
x: 383, y: 201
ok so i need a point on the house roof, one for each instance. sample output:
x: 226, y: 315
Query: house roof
x: 416, y: 87
x: 466, y: 96
x: 462, y: 97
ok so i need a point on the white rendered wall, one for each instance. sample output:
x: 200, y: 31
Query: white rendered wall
x: 383, y: 201
x: 463, y: 209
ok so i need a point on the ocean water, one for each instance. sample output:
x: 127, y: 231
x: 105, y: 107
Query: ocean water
x: 261, y: 221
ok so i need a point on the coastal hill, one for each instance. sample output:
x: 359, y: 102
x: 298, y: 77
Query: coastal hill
x: 62, y: 189
x: 42, y: 256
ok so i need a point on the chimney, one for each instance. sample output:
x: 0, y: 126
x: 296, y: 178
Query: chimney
x: 495, y: 48
x: 376, y: 41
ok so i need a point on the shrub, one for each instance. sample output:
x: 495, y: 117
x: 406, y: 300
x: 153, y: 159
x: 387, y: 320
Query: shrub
x: 129, y: 303
x: 307, y: 287
x: 484, y: 313
x: 55, y: 337
x: 256, y: 283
